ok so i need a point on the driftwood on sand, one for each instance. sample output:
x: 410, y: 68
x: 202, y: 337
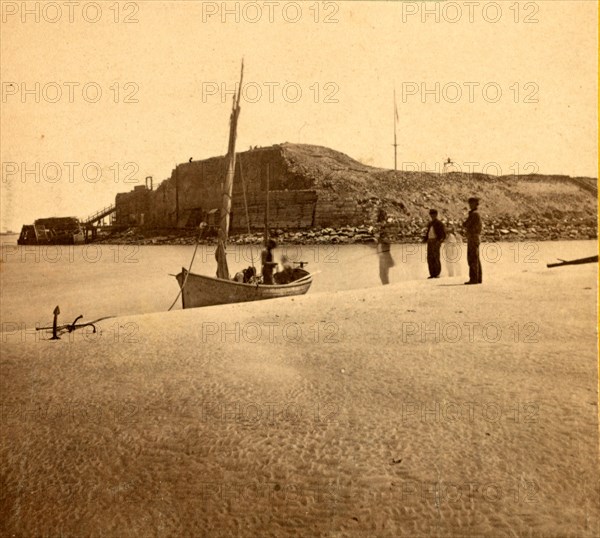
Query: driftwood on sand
x: 579, y: 261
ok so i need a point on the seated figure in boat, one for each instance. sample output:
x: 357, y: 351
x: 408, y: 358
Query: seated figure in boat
x: 247, y: 276
x: 286, y: 275
x: 268, y: 265
x: 290, y: 273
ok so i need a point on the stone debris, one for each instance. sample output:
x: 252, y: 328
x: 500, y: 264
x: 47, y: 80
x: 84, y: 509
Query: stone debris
x: 410, y: 230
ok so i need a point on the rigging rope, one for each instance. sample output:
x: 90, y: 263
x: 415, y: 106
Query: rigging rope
x: 246, y: 207
x: 187, y: 274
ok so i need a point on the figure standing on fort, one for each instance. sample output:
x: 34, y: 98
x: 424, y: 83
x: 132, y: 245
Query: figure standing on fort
x: 473, y: 227
x: 447, y: 165
x: 434, y: 237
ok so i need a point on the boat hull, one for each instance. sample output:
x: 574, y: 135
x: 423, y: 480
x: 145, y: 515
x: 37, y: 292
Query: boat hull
x: 203, y: 290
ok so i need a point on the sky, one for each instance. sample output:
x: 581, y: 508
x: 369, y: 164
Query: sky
x: 98, y: 95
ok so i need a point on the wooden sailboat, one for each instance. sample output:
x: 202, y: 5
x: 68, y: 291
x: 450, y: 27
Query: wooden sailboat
x: 199, y: 290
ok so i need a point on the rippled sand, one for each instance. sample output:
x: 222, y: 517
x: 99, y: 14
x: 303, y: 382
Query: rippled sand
x: 419, y: 409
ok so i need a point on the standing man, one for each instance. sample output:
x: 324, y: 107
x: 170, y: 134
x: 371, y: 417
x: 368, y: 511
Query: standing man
x: 268, y: 265
x: 385, y: 258
x: 436, y: 233
x: 473, y: 228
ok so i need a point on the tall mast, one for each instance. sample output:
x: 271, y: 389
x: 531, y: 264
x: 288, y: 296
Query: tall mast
x: 267, y: 204
x: 222, y: 269
x: 395, y: 143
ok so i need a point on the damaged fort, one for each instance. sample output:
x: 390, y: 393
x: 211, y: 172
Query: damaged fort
x: 307, y: 189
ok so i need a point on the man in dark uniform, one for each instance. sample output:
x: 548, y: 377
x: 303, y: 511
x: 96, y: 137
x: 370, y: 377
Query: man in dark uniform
x: 435, y: 235
x: 473, y: 228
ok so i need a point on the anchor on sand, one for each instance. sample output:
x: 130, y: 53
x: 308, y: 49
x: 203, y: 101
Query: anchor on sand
x: 69, y: 327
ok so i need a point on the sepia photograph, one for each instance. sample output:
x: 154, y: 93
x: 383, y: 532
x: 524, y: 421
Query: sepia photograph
x: 299, y: 269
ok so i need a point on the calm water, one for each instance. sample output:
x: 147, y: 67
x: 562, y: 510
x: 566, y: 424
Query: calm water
x: 104, y: 280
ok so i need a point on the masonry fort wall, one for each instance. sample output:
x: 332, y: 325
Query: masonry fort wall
x: 194, y: 189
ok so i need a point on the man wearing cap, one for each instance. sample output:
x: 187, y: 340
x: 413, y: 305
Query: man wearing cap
x: 473, y: 228
x: 435, y: 235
